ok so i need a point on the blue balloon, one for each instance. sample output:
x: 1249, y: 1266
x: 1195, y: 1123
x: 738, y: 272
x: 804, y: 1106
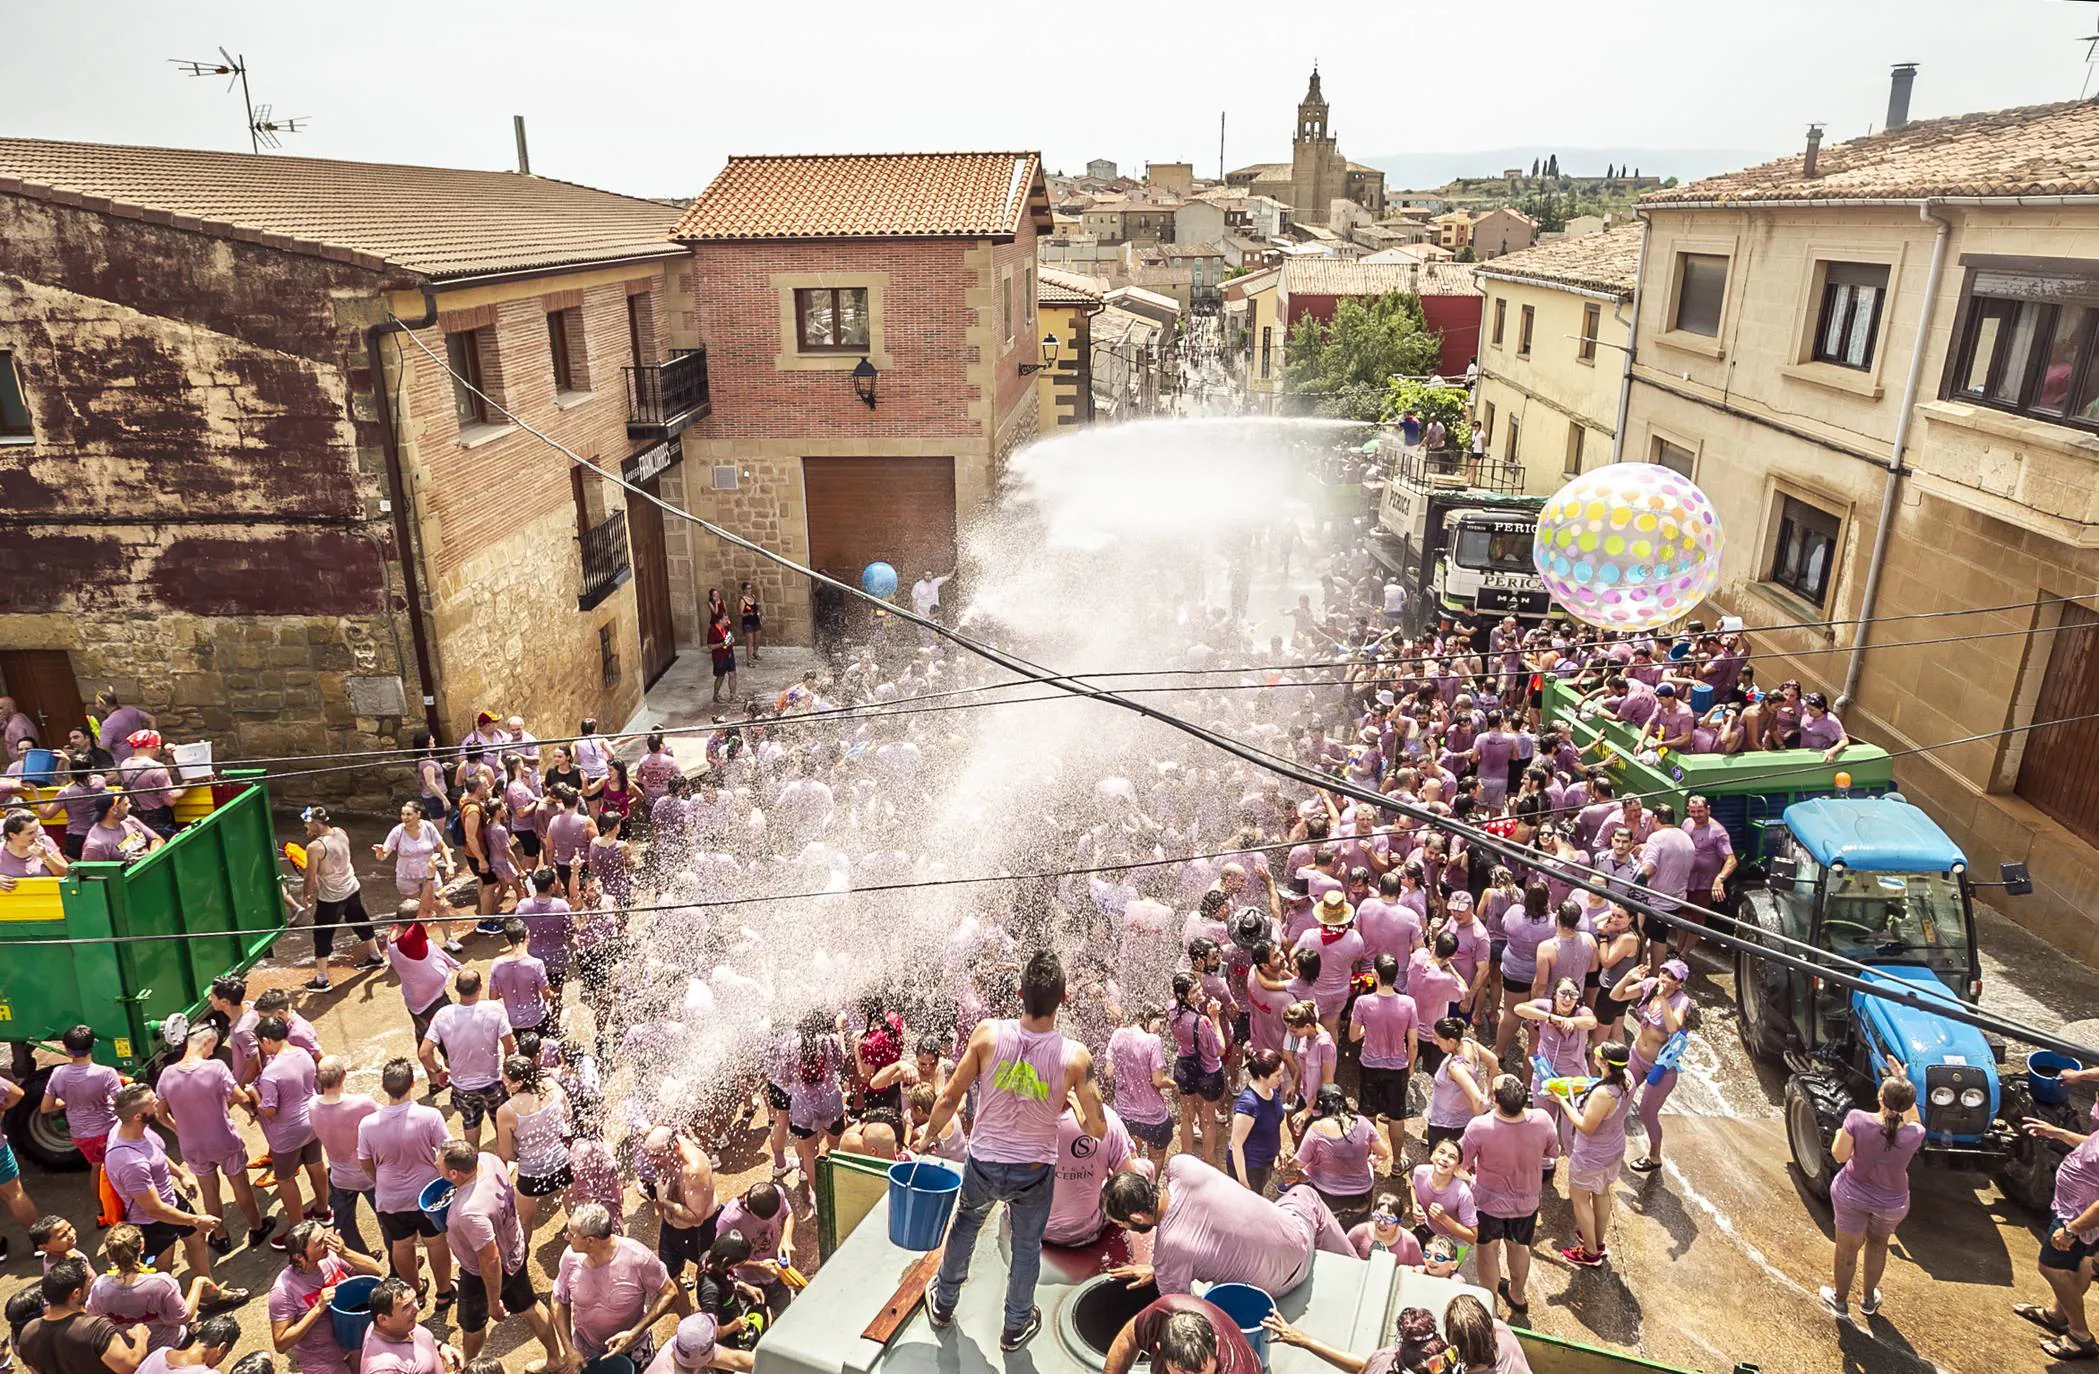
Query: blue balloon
x: 878, y: 579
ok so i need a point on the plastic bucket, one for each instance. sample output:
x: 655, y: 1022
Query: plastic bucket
x: 1702, y: 698
x: 350, y: 1314
x: 921, y: 1199
x: 436, y: 1201
x: 2044, y: 1071
x: 40, y: 766
x: 1245, y: 1305
x: 610, y: 1364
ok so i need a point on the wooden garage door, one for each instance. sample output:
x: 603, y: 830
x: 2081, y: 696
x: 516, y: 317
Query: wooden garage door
x: 2056, y: 773
x: 899, y: 511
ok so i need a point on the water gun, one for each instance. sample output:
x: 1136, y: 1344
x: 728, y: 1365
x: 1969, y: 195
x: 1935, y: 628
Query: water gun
x: 1672, y: 1054
x: 1364, y: 983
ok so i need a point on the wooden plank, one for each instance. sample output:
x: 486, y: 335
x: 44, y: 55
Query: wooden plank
x: 906, y: 1297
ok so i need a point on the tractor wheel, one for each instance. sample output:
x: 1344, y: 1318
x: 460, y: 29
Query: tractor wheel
x: 1760, y: 1018
x: 1806, y: 1137
x: 41, y: 1137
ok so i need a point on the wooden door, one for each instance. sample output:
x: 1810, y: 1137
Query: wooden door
x: 42, y: 683
x: 2056, y: 772
x: 652, y: 586
x: 899, y: 511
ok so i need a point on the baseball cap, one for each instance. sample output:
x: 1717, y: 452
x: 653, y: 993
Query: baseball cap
x: 1665, y: 690
x: 1460, y: 900
x: 694, y: 1341
x: 1677, y: 969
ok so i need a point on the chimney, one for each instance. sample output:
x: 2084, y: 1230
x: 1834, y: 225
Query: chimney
x: 1814, y: 150
x: 524, y: 160
x: 1904, y: 77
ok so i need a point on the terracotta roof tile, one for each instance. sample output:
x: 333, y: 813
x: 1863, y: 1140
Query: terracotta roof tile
x: 2029, y: 150
x: 1609, y: 261
x: 870, y: 195
x: 432, y: 221
x: 1324, y: 276
x: 1053, y: 287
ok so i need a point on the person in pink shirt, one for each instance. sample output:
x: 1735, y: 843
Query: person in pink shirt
x: 420, y: 855
x: 1666, y: 857
x: 397, y: 1145
x: 1137, y: 1060
x: 284, y: 1094
x: 489, y: 1243
x: 1389, y: 925
x: 696, y: 1347
x: 1388, y: 1027
x: 1507, y: 1151
x: 396, y: 1342
x: 316, y: 1260
x: 1207, y: 1228
x: 1341, y: 1153
x: 1310, y: 1050
x: 336, y: 1116
x: 423, y: 969
x: 86, y: 1092
x: 1386, y: 1230
x: 1075, y: 1216
x: 1340, y: 947
x: 1871, y: 1193
x: 210, y: 1342
x: 26, y: 851
x: 761, y: 1215
x: 1268, y: 996
x: 1434, y: 985
x: 521, y: 981
x: 1443, y: 1197
x: 197, y: 1096
x: 1196, y: 1023
x: 610, y: 1290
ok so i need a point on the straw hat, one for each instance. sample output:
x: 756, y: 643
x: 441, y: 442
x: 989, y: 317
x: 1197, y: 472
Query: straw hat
x: 1333, y: 910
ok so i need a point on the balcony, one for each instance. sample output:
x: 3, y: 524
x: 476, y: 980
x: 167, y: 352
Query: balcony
x: 663, y: 398
x: 1450, y: 469
x: 605, y: 561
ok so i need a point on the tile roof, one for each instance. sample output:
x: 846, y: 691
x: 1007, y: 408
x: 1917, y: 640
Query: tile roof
x: 432, y: 221
x: 1191, y: 250
x: 2035, y: 150
x: 1252, y: 283
x: 871, y: 195
x: 1447, y: 279
x: 1053, y: 287
x: 1259, y: 171
x: 1310, y: 276
x: 1609, y: 261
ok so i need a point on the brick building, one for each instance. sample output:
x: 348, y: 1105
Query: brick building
x: 872, y: 345
x: 236, y: 496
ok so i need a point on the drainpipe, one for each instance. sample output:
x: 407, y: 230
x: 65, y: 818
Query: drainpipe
x: 1632, y: 345
x: 1896, y: 447
x: 397, y: 497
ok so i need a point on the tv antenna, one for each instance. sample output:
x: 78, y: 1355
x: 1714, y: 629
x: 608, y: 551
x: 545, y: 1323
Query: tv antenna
x: 263, y: 124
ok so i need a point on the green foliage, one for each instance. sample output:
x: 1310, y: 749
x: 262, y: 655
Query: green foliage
x: 1466, y: 254
x: 1445, y: 403
x: 1343, y: 368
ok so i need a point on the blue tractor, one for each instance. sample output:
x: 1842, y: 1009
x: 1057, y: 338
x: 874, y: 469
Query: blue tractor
x: 1875, y: 880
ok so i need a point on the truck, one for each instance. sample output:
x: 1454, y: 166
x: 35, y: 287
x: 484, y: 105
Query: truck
x: 1831, y: 855
x: 153, y: 934
x: 1457, y: 533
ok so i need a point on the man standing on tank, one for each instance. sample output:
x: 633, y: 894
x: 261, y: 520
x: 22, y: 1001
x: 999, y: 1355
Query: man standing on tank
x: 1024, y: 1072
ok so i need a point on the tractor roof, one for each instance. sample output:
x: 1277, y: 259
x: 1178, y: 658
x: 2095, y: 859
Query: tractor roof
x: 1872, y: 834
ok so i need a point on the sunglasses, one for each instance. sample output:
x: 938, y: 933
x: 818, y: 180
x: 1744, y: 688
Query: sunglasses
x: 1386, y: 1218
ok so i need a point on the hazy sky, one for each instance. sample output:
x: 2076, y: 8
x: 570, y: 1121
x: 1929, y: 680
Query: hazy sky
x: 650, y: 98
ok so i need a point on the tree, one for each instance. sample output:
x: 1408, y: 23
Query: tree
x: 1343, y: 368
x: 1552, y: 165
x: 1445, y: 403
x: 1466, y: 254
x: 1534, y: 166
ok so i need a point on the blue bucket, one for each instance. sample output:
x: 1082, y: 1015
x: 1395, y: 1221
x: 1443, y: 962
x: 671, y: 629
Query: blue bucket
x: 40, y: 766
x: 610, y: 1364
x: 436, y: 1201
x: 1702, y: 698
x: 350, y: 1313
x: 2044, y: 1071
x: 921, y: 1199
x: 1246, y: 1305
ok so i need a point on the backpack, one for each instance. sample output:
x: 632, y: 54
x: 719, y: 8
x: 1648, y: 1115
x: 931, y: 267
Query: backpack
x: 455, y: 823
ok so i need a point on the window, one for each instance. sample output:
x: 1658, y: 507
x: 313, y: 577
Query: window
x: 1487, y: 424
x: 1674, y: 457
x: 1523, y: 333
x: 1501, y: 317
x: 1509, y: 455
x: 1005, y: 289
x: 463, y: 353
x: 1592, y: 323
x: 1574, y: 451
x: 14, y: 409
x: 608, y: 656
x: 831, y: 319
x: 1266, y: 334
x: 557, y: 345
x: 637, y: 331
x: 1849, y: 325
x: 1701, y: 290
x: 1806, y: 550
x: 1027, y: 295
x: 2030, y: 355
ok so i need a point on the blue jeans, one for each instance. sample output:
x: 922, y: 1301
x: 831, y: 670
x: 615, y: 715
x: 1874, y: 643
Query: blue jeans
x: 1026, y: 1189
x: 343, y: 1202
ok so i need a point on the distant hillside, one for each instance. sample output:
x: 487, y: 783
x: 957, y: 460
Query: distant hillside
x: 1426, y: 170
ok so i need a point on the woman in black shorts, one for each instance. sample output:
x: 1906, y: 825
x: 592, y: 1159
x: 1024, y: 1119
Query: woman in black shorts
x: 532, y: 1130
x: 753, y: 622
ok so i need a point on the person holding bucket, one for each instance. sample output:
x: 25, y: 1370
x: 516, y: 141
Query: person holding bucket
x: 1023, y: 1071
x: 317, y: 1262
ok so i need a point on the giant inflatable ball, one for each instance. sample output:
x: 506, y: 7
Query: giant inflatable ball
x: 1630, y: 546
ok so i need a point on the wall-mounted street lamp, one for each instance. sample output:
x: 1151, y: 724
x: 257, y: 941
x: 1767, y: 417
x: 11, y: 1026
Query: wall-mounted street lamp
x: 1050, y: 350
x: 864, y: 375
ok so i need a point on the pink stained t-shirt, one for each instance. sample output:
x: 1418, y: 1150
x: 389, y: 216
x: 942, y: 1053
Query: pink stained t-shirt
x: 292, y: 1296
x: 1433, y: 990
x: 90, y: 1093
x: 1456, y: 1199
x: 335, y: 1123
x: 471, y: 1036
x: 1338, y: 1165
x: 1265, y: 1029
x: 1195, y: 1034
x: 401, y: 1140
x: 422, y: 980
x: 1137, y: 1057
x: 1020, y: 1094
x: 1315, y: 1060
x: 1507, y: 1159
x: 1385, y: 1020
x: 416, y: 1355
x: 1392, y: 928
x: 285, y: 1086
x: 520, y: 982
x: 608, y: 1298
x: 197, y: 1096
x: 484, y: 1211
x: 1083, y: 1165
x: 1404, y: 1248
x: 1218, y: 1231
x: 1876, y: 1177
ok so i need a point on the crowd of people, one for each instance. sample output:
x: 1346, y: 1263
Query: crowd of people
x: 1281, y: 1020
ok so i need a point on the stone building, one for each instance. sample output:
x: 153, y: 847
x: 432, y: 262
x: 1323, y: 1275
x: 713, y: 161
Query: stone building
x: 1319, y: 174
x: 872, y: 347
x: 1065, y: 304
x: 1552, y: 364
x: 1502, y: 230
x: 238, y: 498
x: 1878, y: 360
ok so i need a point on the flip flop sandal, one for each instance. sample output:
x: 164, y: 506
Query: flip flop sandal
x: 2063, y: 1348
x: 2039, y: 1316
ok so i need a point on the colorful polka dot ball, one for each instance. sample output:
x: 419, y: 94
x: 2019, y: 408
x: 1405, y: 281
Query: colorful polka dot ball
x: 1630, y: 546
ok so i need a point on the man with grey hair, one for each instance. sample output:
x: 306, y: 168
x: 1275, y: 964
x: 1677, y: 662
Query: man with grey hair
x: 610, y: 1289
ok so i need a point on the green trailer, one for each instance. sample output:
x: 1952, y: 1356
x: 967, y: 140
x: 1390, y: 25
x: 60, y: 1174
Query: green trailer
x: 213, y: 889
x: 1746, y: 791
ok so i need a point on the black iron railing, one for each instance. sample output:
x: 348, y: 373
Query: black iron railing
x: 605, y: 561
x: 1453, y: 467
x: 663, y: 398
